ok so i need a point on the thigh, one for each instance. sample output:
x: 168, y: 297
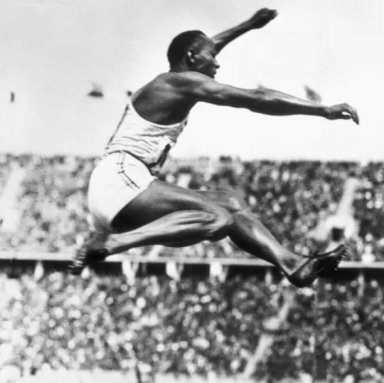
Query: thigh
x: 229, y: 200
x: 159, y: 200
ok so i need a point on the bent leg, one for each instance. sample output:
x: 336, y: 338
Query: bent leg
x: 166, y: 214
x: 163, y: 214
x: 170, y: 215
x: 181, y: 228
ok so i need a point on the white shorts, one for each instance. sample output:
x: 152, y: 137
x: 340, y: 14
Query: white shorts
x: 117, y: 179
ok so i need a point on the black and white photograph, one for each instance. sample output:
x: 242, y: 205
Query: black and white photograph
x: 191, y: 191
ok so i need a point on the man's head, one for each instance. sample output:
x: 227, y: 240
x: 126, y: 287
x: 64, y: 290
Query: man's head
x: 193, y: 50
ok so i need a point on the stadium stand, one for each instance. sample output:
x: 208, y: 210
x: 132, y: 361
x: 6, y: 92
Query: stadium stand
x: 190, y: 327
x: 220, y: 313
x: 294, y: 199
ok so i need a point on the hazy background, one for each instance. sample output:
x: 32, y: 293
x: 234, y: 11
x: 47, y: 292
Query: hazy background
x: 52, y: 51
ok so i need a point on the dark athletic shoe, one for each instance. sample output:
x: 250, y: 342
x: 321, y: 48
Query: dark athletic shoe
x: 90, y: 252
x: 317, y: 265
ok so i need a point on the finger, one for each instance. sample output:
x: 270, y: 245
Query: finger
x: 346, y: 115
x: 273, y: 13
x: 353, y: 113
x: 355, y: 118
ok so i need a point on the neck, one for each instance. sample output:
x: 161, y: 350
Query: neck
x: 179, y: 68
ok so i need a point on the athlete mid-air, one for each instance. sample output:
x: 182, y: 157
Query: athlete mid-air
x: 130, y: 207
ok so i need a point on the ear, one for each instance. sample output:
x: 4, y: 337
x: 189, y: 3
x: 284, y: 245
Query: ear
x: 191, y: 56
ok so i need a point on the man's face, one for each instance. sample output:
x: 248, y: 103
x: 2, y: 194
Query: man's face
x: 204, y: 55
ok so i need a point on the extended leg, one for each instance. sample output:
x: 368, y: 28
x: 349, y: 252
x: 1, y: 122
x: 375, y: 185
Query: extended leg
x: 166, y: 214
x: 250, y: 235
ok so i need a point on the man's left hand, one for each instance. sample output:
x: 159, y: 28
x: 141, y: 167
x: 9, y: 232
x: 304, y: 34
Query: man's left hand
x: 262, y: 18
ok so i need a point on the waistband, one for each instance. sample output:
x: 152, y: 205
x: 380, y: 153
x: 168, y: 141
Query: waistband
x: 150, y: 167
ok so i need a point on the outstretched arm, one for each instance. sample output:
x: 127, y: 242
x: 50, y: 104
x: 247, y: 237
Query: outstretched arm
x: 258, y: 20
x: 278, y: 103
x: 262, y: 100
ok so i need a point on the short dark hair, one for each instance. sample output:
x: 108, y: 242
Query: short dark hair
x: 180, y: 44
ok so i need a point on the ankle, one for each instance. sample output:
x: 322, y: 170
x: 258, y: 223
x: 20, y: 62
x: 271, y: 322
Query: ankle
x: 291, y: 261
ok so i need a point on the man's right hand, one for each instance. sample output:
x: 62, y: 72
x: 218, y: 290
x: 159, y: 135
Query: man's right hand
x: 343, y: 112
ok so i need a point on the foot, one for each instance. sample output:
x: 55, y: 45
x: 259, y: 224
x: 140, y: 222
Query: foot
x: 317, y: 265
x: 91, y: 251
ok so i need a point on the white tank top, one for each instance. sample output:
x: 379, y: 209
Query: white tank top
x: 147, y: 141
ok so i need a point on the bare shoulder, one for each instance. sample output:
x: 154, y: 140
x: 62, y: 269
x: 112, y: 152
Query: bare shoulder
x: 177, y: 79
x: 190, y: 87
x: 183, y: 85
x: 168, y: 97
x: 174, y: 82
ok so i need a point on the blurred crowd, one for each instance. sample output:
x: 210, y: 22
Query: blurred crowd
x: 294, y: 200
x: 191, y: 327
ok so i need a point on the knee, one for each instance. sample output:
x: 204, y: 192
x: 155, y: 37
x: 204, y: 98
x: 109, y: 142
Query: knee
x: 218, y: 224
x: 234, y: 202
x: 237, y: 203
